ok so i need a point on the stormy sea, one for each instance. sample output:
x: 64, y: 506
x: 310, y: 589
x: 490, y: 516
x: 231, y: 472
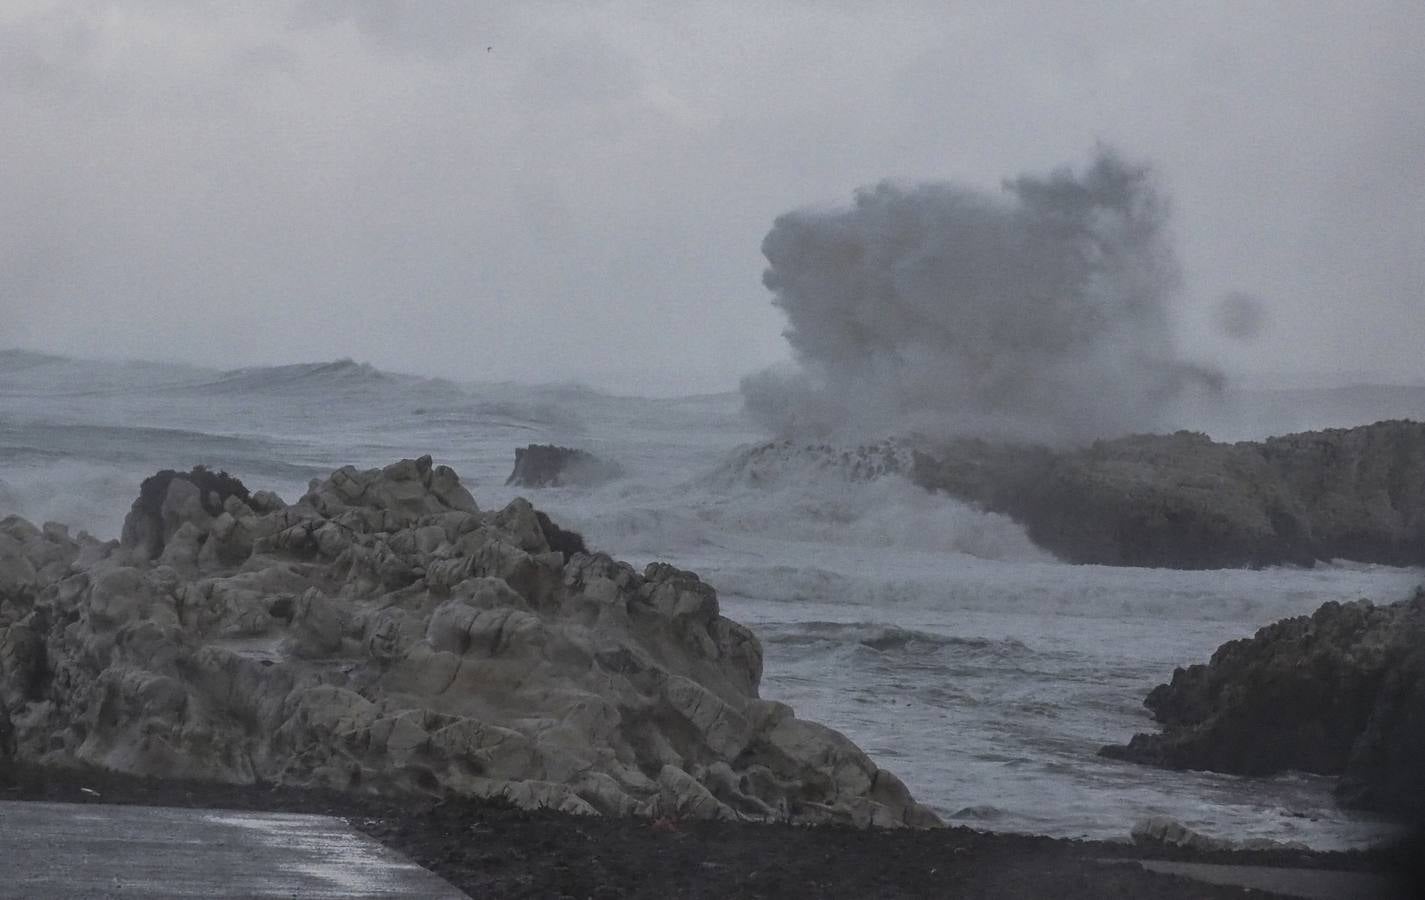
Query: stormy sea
x: 936, y: 636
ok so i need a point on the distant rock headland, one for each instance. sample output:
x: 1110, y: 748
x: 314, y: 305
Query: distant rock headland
x: 1185, y: 501
x: 1340, y: 692
x: 383, y: 633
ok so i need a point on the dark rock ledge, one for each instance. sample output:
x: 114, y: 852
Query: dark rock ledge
x: 1185, y: 501
x: 1340, y: 692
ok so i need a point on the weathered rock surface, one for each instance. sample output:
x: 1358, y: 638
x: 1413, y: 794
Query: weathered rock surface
x: 1339, y: 692
x: 170, y: 499
x: 1184, y: 501
x: 383, y: 633
x: 545, y: 465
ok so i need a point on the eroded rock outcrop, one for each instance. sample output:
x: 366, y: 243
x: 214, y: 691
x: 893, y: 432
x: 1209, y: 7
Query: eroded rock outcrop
x: 170, y: 499
x: 383, y: 633
x: 1339, y: 692
x: 1185, y: 501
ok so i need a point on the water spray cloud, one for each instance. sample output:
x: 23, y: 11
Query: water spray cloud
x: 1040, y: 312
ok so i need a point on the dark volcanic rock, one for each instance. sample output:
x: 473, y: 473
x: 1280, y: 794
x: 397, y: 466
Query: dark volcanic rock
x: 1339, y: 692
x: 1185, y: 501
x: 1363, y: 489
x: 545, y: 465
x: 1386, y: 770
x: 168, y: 499
x: 559, y: 539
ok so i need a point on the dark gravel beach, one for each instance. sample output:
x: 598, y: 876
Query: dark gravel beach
x: 491, y: 850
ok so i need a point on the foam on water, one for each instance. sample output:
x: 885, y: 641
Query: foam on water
x: 937, y: 636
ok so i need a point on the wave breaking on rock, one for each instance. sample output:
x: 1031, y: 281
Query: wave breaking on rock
x: 1042, y: 312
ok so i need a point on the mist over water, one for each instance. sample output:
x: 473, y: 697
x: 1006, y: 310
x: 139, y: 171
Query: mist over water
x: 1039, y: 312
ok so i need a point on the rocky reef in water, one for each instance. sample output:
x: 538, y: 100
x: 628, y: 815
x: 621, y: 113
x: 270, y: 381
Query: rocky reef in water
x: 1340, y: 692
x: 1185, y: 501
x: 548, y: 465
x: 384, y: 634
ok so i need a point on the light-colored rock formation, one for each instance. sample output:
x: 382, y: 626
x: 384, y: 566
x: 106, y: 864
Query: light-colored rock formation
x: 383, y: 633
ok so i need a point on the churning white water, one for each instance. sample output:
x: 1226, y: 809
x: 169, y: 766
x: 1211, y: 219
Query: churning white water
x: 936, y: 636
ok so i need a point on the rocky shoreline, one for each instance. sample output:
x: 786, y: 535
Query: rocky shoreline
x: 385, y: 650
x: 1185, y: 501
x: 383, y: 634
x: 1340, y: 692
x: 490, y: 848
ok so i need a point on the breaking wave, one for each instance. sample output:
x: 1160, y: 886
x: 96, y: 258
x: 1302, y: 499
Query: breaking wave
x: 343, y: 376
x: 884, y: 638
x: 859, y: 495
x: 1043, y: 311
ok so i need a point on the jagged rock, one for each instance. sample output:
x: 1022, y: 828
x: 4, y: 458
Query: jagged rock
x: 7, y: 737
x: 170, y: 499
x: 1336, y: 693
x: 384, y: 634
x: 682, y: 795
x: 1184, y: 501
x: 546, y: 465
x: 404, y: 490
x: 1384, y: 771
x: 17, y: 572
x: 264, y: 502
x: 559, y: 540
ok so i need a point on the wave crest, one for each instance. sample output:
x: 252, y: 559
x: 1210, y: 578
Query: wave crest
x: 889, y: 639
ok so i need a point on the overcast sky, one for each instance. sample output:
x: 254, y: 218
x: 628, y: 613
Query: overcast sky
x: 550, y: 191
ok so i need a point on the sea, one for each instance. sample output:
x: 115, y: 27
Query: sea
x: 937, y: 636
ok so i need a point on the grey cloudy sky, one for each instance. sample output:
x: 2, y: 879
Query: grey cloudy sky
x: 547, y: 191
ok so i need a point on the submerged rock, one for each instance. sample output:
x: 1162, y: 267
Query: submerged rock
x: 1339, y: 692
x: 545, y: 465
x: 1163, y: 831
x: 383, y: 633
x: 1185, y: 501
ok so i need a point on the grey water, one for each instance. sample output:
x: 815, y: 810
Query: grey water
x: 938, y: 637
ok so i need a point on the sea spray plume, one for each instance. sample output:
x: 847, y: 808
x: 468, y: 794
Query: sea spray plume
x: 1240, y: 316
x: 1038, y: 313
